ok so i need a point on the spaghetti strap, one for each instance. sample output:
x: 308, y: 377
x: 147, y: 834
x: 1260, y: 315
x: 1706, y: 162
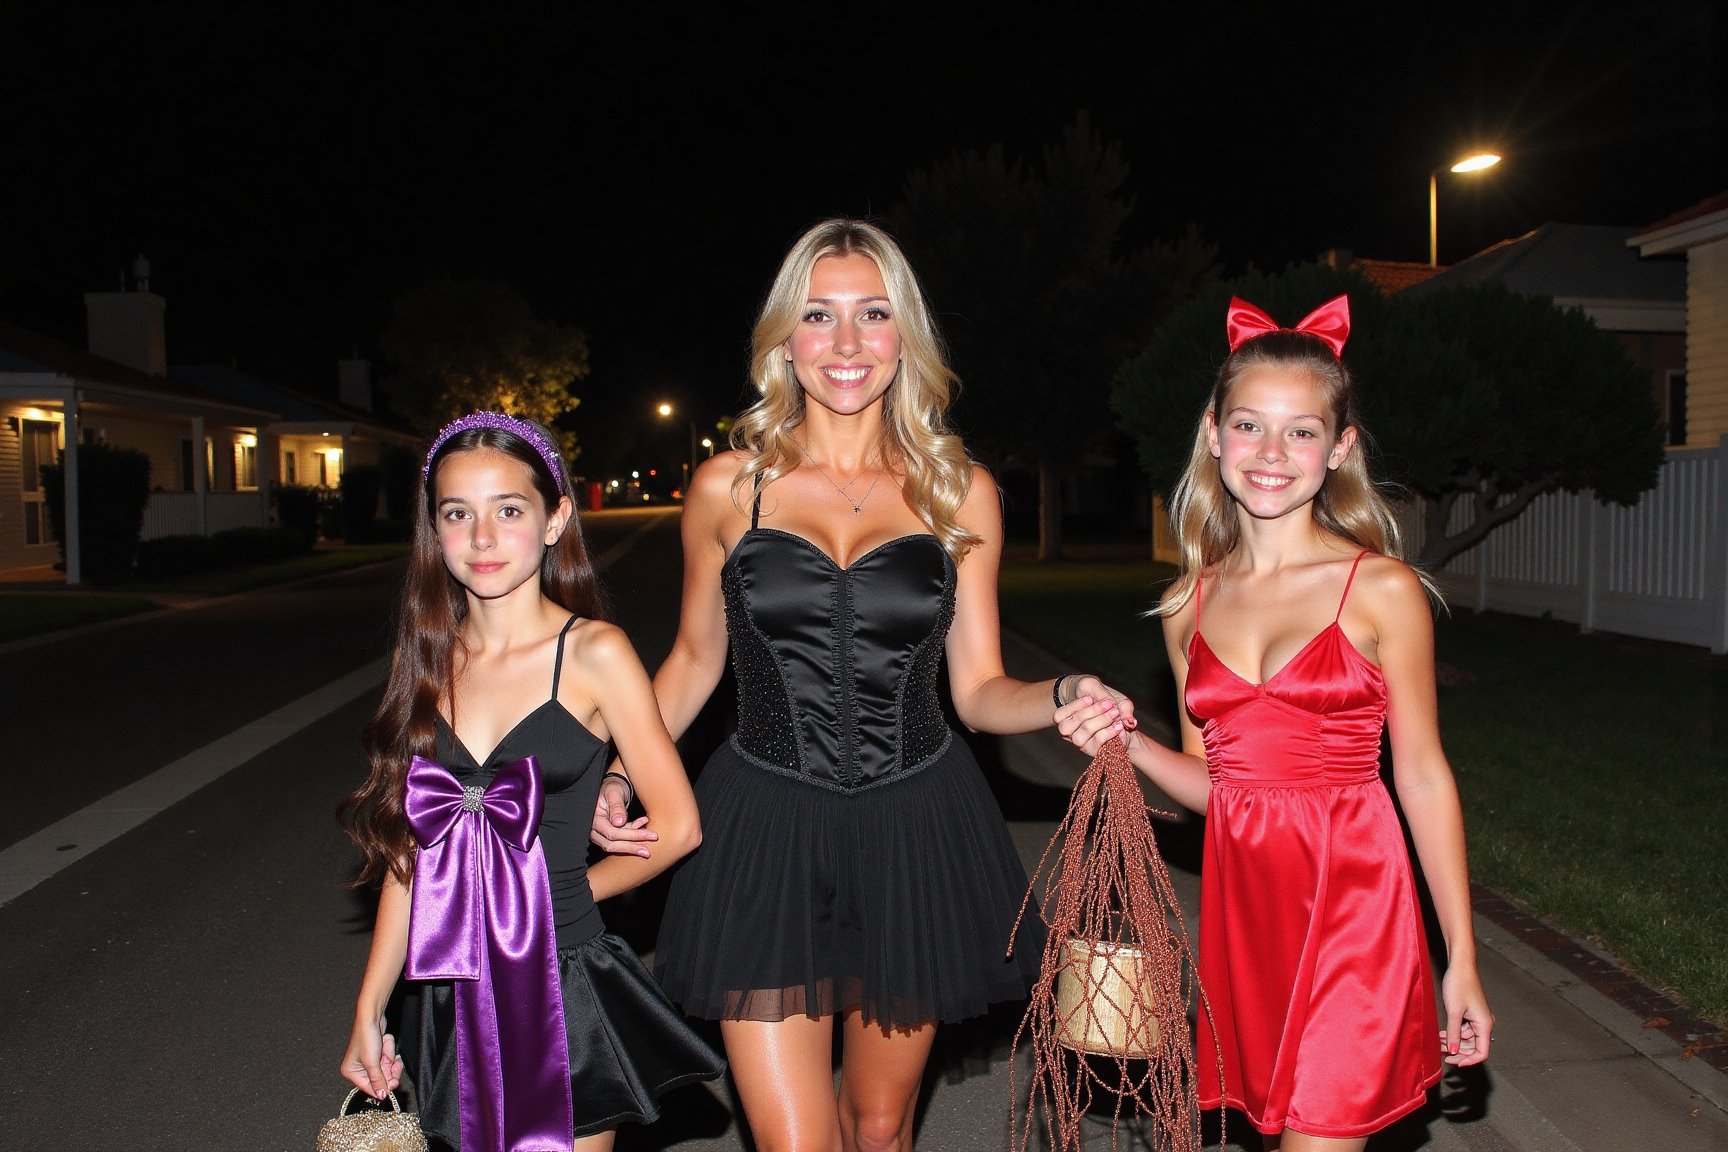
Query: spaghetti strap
x: 558, y: 660
x: 755, y: 499
x: 1351, y: 580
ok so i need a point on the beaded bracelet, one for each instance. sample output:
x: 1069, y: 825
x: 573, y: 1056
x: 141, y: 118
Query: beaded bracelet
x: 629, y: 789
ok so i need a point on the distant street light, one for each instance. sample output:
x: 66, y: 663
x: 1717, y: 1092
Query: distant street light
x: 1469, y: 164
x: 666, y: 411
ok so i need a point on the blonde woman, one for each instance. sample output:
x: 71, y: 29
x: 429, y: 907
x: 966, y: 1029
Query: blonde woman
x: 1297, y: 637
x: 855, y: 871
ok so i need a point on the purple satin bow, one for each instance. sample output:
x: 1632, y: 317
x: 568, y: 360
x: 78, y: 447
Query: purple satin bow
x: 481, y: 916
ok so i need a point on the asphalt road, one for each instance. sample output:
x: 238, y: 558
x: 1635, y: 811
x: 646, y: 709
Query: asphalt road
x: 181, y: 965
x: 181, y: 951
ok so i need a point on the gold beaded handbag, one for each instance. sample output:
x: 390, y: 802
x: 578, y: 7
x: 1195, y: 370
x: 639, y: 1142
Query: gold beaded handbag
x: 372, y: 1129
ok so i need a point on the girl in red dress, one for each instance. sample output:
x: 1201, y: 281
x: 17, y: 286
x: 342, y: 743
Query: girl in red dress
x: 1297, y: 636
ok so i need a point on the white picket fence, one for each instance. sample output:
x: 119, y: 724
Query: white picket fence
x: 176, y: 513
x: 1657, y: 570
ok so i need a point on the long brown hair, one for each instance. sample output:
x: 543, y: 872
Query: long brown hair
x: 1349, y: 504
x: 421, y: 665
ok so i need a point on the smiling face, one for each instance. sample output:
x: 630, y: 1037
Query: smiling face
x: 493, y: 527
x: 1274, y: 441
x: 845, y: 350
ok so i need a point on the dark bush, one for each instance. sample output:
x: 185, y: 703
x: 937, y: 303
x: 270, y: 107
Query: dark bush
x: 297, y: 507
x: 113, y: 488
x: 391, y: 531
x: 330, y: 513
x: 235, y: 546
x: 361, y: 486
x: 401, y: 468
x: 175, y: 556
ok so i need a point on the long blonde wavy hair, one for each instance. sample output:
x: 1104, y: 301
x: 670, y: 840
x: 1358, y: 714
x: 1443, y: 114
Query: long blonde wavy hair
x: 916, y: 437
x: 1350, y: 505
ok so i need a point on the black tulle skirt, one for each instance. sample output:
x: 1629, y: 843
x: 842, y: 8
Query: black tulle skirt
x: 899, y: 900
x: 628, y: 1045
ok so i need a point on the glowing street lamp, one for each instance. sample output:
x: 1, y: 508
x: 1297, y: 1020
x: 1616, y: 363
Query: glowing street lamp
x: 1474, y: 163
x: 666, y: 412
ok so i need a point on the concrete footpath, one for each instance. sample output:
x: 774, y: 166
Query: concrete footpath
x: 1585, y: 1058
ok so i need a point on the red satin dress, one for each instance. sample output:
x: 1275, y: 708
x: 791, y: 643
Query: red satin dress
x: 1312, y: 952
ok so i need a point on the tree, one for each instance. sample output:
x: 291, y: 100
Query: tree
x: 1036, y: 297
x: 459, y: 345
x: 1468, y: 393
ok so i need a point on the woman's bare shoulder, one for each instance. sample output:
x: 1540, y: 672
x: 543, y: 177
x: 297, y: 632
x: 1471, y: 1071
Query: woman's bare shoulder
x: 714, y: 476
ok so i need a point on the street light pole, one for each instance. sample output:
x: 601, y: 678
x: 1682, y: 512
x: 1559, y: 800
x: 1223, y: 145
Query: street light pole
x: 1434, y: 218
x: 690, y: 468
x: 688, y: 465
x: 1473, y: 163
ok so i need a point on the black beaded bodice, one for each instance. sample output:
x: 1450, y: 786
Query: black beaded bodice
x: 837, y: 667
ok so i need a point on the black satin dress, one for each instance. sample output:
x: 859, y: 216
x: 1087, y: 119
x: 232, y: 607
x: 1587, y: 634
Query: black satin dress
x: 852, y: 854
x: 628, y: 1045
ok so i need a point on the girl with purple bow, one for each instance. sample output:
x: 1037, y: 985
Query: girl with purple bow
x: 527, y: 1026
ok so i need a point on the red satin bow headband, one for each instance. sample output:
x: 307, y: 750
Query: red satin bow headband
x: 1330, y: 322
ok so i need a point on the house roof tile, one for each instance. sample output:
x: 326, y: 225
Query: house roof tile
x: 1704, y: 207
x: 1572, y: 261
x: 22, y: 350
x: 290, y: 404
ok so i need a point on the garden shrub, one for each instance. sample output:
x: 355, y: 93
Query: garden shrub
x: 297, y: 507
x: 401, y: 469
x: 236, y: 546
x: 175, y: 556
x: 361, y: 486
x: 113, y: 489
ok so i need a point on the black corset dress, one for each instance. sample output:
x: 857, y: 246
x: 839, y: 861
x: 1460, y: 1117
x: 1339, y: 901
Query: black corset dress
x: 852, y: 854
x: 628, y: 1046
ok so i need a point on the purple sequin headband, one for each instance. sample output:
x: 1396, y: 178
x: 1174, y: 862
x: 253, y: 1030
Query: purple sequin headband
x: 548, y: 451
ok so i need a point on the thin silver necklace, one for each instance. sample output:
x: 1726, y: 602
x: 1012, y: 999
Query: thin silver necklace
x: 858, y: 504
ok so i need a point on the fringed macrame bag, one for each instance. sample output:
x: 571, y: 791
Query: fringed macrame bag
x: 1108, y: 1020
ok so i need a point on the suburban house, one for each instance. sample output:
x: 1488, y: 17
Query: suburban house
x: 203, y: 450
x: 1590, y: 267
x: 1700, y: 234
x: 218, y: 439
x: 309, y: 440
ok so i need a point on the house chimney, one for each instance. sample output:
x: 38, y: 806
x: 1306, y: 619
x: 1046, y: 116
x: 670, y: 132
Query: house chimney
x: 354, y: 383
x: 127, y: 326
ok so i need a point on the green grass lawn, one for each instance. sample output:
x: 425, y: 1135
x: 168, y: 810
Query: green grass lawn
x: 1594, y: 784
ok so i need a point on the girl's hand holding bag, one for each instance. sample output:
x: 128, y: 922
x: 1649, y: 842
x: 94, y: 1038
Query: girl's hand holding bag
x: 372, y: 1129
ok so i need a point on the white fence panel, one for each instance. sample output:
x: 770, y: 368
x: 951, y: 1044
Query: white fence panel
x: 169, y: 514
x: 176, y: 513
x: 1657, y: 570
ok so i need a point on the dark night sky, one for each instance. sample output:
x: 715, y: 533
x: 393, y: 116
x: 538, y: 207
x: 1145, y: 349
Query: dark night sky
x: 637, y: 170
